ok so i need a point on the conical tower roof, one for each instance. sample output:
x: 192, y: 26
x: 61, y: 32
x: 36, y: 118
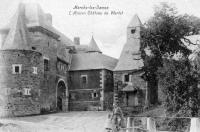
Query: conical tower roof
x: 135, y: 22
x: 93, y: 47
x: 17, y: 37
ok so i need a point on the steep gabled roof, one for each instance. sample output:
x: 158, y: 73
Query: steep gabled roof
x: 135, y: 22
x: 93, y: 60
x: 130, y: 58
x: 93, y: 47
x: 17, y: 37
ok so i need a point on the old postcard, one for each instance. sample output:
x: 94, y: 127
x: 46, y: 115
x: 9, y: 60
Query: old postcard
x: 99, y: 65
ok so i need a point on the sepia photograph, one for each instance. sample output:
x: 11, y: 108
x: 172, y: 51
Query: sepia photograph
x: 99, y: 66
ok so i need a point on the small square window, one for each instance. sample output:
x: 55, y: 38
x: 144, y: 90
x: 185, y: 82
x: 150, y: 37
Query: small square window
x: 16, y: 68
x: 34, y: 70
x: 133, y: 31
x: 46, y: 64
x: 27, y: 91
x: 33, y: 48
x: 94, y: 95
x: 72, y: 96
x: 84, y: 79
x: 126, y: 78
x: 136, y: 101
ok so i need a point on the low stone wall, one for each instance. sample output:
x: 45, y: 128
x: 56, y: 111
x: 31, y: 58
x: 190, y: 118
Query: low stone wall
x: 85, y: 106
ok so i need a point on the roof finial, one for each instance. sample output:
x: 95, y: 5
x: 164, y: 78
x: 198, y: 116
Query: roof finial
x: 93, y: 46
x: 92, y: 34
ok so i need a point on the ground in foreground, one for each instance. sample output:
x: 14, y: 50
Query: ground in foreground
x: 88, y: 121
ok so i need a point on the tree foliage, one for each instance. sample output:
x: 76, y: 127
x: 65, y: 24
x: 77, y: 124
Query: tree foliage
x: 164, y: 35
x: 179, y: 82
x: 166, y: 31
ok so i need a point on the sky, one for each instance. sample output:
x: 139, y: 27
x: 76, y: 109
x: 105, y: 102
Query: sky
x: 109, y: 31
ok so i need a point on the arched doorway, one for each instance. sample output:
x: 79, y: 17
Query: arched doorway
x: 62, y: 96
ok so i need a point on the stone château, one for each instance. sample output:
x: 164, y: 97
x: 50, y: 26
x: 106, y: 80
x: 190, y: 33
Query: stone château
x: 42, y: 70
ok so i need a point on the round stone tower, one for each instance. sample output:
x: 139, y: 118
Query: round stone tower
x: 21, y: 71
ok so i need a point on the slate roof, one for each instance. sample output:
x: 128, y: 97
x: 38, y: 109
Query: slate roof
x: 129, y: 88
x: 130, y: 58
x: 17, y: 37
x: 135, y: 21
x: 82, y: 48
x: 36, y: 17
x: 92, y: 60
x: 93, y: 47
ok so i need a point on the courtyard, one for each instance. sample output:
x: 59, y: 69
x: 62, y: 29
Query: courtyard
x: 87, y: 121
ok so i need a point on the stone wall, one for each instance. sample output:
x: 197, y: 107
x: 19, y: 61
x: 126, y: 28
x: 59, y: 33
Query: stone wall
x: 48, y: 46
x: 99, y: 81
x: 81, y: 96
x: 14, y: 100
x: 108, y: 89
x: 93, y: 79
x: 62, y: 76
x: 136, y: 81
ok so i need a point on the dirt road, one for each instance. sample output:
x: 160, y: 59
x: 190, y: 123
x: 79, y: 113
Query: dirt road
x: 89, y: 121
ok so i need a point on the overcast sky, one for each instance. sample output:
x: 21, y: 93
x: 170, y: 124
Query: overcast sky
x: 109, y: 31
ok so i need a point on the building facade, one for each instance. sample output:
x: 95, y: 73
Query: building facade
x: 91, y: 78
x: 34, y: 63
x: 44, y: 71
x: 130, y: 88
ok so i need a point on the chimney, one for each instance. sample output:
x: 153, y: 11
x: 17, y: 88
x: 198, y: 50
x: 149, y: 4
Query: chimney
x: 48, y: 19
x: 77, y: 40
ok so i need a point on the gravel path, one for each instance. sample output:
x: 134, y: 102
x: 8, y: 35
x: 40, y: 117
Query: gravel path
x: 89, y: 121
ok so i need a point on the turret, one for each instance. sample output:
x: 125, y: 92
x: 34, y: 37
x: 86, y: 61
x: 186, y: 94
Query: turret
x: 133, y: 31
x: 93, y: 47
